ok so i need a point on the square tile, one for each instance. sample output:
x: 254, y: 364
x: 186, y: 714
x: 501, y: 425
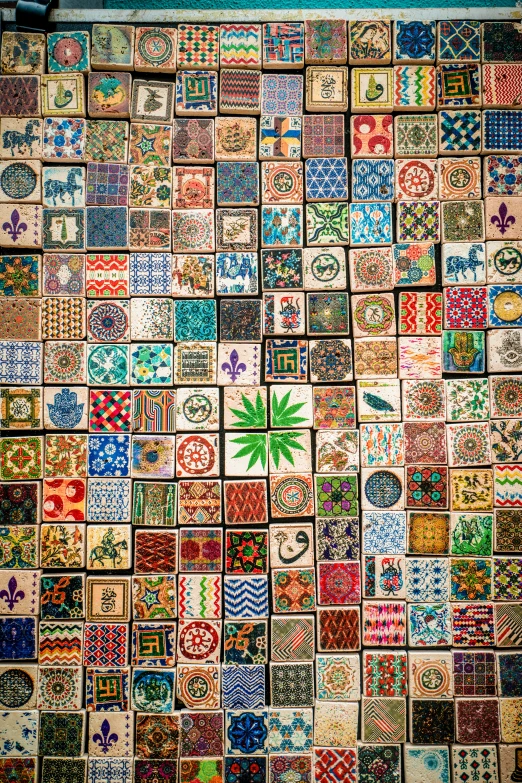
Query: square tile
x: 280, y: 137
x: 426, y: 764
x: 372, y: 180
x: 109, y: 94
x: 282, y: 94
x: 325, y: 41
x: 476, y: 723
x: 326, y: 88
x: 196, y: 94
x: 198, y: 46
x: 458, y: 40
x: 240, y: 46
x: 414, y: 87
x: 414, y: 41
x: 369, y: 42
x: 193, y: 140
x: 283, y: 45
x: 383, y: 720
x: 112, y: 47
x: 323, y: 135
x: 384, y: 623
x: 416, y: 136
x: 458, y: 85
x: 463, y: 352
x: 474, y: 673
x: 335, y: 725
x: 372, y: 89
x: 372, y: 136
x: 432, y: 721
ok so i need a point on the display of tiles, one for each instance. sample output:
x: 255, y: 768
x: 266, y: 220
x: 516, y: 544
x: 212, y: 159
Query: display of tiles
x: 181, y: 438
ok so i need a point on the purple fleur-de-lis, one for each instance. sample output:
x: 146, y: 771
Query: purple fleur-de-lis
x: 14, y: 228
x: 13, y: 596
x: 107, y: 739
x: 235, y: 367
x: 503, y: 221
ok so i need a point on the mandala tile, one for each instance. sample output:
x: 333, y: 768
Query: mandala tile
x: 432, y: 721
x: 416, y: 135
x: 473, y: 625
x: 459, y: 41
x: 292, y: 684
x: 474, y: 673
x: 431, y: 675
x: 469, y: 444
x: 199, y: 686
x: 245, y: 642
x: 290, y: 730
x: 200, y: 641
x: 427, y: 764
x: 335, y: 764
x: 202, y: 734
x: 154, y: 597
x: 425, y: 442
x: 21, y: 458
x: 299, y: 767
x: 59, y: 688
x: 165, y: 770
x: 337, y: 680
x: 331, y: 360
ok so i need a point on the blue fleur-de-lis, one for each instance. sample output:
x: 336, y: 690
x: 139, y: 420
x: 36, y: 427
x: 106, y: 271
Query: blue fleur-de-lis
x: 14, y: 228
x: 235, y: 367
x: 12, y: 596
x: 107, y: 739
x: 503, y: 221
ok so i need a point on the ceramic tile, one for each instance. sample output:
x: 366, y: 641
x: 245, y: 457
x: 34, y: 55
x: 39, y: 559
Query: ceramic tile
x: 414, y: 41
x: 240, y: 46
x: 283, y: 45
x: 416, y: 136
x: 326, y: 88
x: 112, y: 47
x: 372, y: 136
x: 323, y: 134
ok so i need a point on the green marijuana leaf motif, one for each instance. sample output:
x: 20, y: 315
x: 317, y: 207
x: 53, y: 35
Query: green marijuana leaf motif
x: 283, y: 415
x: 254, y: 444
x: 281, y: 444
x: 252, y: 416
